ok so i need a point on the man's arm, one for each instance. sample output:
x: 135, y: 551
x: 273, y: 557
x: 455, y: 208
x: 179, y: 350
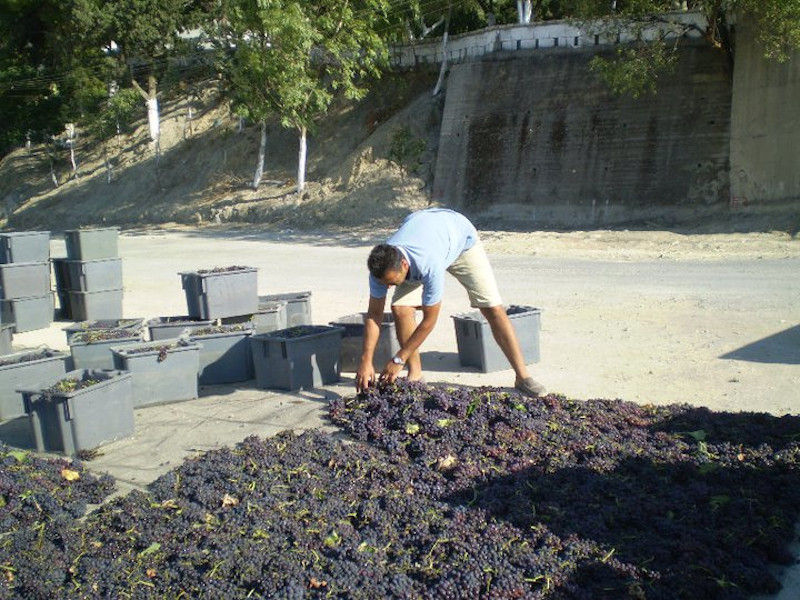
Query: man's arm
x: 372, y: 329
x: 430, y: 314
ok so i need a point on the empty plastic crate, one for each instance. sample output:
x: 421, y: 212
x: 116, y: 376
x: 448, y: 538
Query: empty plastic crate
x: 92, y: 244
x: 216, y: 294
x: 82, y: 419
x: 6, y: 337
x: 94, y: 275
x: 224, y: 354
x: 24, y: 280
x: 353, y: 341
x: 165, y: 328
x: 161, y: 373
x: 136, y: 326
x: 297, y: 358
x: 298, y: 306
x: 28, y: 314
x: 87, y: 306
x: 24, y: 246
x: 89, y: 353
x: 26, y: 369
x: 476, y: 345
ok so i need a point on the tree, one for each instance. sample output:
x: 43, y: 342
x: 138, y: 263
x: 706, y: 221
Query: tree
x: 145, y: 34
x: 291, y: 58
x: 51, y: 71
x: 637, y: 66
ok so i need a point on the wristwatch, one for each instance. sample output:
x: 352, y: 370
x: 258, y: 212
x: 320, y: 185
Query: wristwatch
x: 398, y: 361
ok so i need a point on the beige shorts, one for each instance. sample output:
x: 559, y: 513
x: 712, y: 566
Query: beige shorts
x: 473, y: 271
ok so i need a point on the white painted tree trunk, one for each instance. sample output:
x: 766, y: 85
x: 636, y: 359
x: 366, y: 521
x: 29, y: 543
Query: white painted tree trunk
x: 524, y: 10
x: 301, y: 162
x: 53, y: 175
x: 443, y: 66
x: 70, y: 128
x: 262, y: 151
x: 109, y: 169
x: 152, y: 118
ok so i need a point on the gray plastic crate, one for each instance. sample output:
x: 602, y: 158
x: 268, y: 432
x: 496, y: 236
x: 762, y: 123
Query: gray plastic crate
x: 297, y: 358
x: 97, y: 354
x: 353, y: 341
x: 214, y: 295
x: 24, y: 280
x: 225, y: 356
x: 165, y: 328
x: 160, y: 376
x: 271, y: 316
x: 26, y: 369
x: 298, y: 306
x: 92, y: 244
x: 28, y: 314
x: 24, y: 246
x: 69, y: 422
x: 87, y: 306
x: 135, y: 325
x: 6, y: 337
x: 94, y: 275
x: 477, y: 348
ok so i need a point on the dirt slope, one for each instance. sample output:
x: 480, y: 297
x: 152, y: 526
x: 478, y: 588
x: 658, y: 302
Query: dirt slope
x: 204, y: 172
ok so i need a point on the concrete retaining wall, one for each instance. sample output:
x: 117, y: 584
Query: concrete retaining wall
x: 765, y: 124
x: 538, y: 130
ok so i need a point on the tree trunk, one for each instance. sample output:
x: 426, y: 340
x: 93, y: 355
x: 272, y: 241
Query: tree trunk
x: 53, y: 175
x: 262, y: 150
x: 189, y: 116
x: 443, y: 66
x: 109, y: 170
x: 301, y: 162
x: 151, y: 101
x: 71, y: 141
x: 524, y: 10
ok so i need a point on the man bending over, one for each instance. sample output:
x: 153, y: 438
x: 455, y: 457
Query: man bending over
x: 414, y: 259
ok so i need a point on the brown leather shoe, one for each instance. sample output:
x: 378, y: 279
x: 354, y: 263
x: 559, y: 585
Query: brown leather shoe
x: 530, y: 387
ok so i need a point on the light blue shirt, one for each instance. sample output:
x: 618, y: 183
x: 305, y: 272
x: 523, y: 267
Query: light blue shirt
x: 431, y: 240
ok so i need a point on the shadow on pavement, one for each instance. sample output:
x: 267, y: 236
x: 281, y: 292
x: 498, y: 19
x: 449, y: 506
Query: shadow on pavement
x: 782, y: 347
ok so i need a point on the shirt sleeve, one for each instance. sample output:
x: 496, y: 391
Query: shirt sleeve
x: 376, y: 288
x: 433, y: 287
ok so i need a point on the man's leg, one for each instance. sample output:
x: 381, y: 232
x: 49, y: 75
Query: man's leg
x: 506, y: 338
x: 405, y: 322
x: 473, y: 271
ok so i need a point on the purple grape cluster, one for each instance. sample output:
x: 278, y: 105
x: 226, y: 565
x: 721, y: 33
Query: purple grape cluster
x: 295, y: 517
x: 705, y: 500
x: 449, y: 494
x: 35, y: 490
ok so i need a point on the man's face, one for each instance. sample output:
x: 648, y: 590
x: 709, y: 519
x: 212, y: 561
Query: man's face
x: 395, y: 276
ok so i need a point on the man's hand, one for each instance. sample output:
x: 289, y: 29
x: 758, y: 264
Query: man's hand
x: 390, y: 372
x: 365, y: 376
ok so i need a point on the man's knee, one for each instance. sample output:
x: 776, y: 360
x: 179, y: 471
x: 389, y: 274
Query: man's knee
x: 403, y: 312
x: 493, y: 313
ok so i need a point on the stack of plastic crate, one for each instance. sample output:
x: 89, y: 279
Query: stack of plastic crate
x: 26, y: 300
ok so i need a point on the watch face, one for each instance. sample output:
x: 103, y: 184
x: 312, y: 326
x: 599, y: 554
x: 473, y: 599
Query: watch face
x: 397, y: 360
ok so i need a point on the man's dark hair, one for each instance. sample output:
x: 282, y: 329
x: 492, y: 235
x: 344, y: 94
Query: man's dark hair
x: 384, y: 258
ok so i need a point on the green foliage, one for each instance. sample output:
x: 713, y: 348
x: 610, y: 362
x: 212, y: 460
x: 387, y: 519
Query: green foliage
x: 634, y: 70
x: 291, y: 57
x: 778, y: 25
x: 405, y: 149
x: 118, y: 111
